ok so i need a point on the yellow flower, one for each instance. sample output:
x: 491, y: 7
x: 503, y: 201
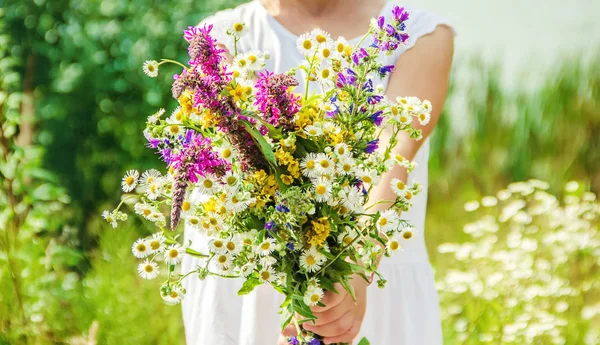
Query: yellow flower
x: 318, y: 233
x: 294, y: 168
x: 343, y: 95
x: 210, y: 205
x: 283, y: 157
x: 287, y: 179
x: 186, y: 101
x: 238, y: 93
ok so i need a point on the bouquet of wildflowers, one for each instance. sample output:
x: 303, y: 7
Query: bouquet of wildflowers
x: 278, y: 181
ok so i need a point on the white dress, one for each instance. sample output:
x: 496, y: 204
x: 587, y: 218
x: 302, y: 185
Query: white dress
x: 406, y: 312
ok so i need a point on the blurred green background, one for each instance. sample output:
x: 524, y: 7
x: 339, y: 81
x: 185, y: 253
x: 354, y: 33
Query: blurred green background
x: 73, y: 101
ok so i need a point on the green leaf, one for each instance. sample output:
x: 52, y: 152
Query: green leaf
x: 301, y: 308
x: 248, y: 286
x: 364, y: 341
x: 306, y: 144
x: 348, y: 287
x: 327, y: 284
x: 263, y: 145
x: 286, y: 316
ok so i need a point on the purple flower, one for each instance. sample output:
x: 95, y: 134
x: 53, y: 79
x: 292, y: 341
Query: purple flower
x: 374, y: 99
x: 380, y: 21
x: 203, y: 50
x: 282, y: 208
x: 290, y: 246
x: 293, y: 341
x: 372, y: 146
x: 383, y: 70
x: 377, y: 118
x: 343, y: 80
x: 359, y: 56
x: 276, y: 104
x: 315, y: 341
x: 197, y: 158
x: 400, y: 14
x: 270, y: 225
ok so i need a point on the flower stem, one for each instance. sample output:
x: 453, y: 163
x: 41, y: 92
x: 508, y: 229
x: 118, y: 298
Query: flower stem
x: 173, y: 62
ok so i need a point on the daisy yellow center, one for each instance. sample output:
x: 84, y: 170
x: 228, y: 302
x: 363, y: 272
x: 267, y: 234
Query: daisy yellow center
x: 312, y: 131
x: 321, y: 38
x: 367, y: 179
x: 207, y: 184
x: 222, y: 259
x: 173, y: 253
x: 403, y: 118
x: 154, y: 245
x: 222, y: 209
x: 147, y: 212
x: 341, y: 151
x: 422, y: 117
x: 235, y: 200
x: 178, y: 116
x: 403, y: 101
x: 395, y: 110
x: 149, y: 268
x: 325, y: 73
x: 174, y: 294
x: 150, y: 179
x: 343, y: 210
x: 265, y: 275
x: 230, y: 245
x: 383, y: 221
x: 310, y: 164
x: 324, y: 164
x: 307, y: 44
x: 400, y: 185
x: 340, y: 48
x: 206, y: 225
x: 213, y: 221
x: 247, y: 242
x: 394, y: 245
x: 310, y: 260
x: 321, y: 189
x: 174, y: 129
x: 407, y: 235
x: 186, y: 206
x: 129, y: 180
x: 265, y: 246
x: 150, y: 68
x: 218, y: 244
x: 236, y: 73
x: 238, y: 27
x: 141, y: 247
x: 410, y: 108
x: 408, y: 195
x: 347, y: 167
x: 399, y: 158
x: 231, y: 180
x: 347, y: 240
x: 194, y: 221
x: 426, y: 106
x: 252, y: 58
x: 153, y: 188
x: 226, y: 153
x: 315, y: 298
x: 242, y: 63
x: 326, y: 53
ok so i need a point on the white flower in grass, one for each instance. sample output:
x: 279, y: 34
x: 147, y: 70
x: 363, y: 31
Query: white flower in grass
x: 140, y: 248
x: 399, y: 187
x: 217, y: 246
x: 148, y: 269
x: 156, y: 242
x: 266, y: 247
x: 267, y: 274
x: 388, y: 221
x: 313, y: 131
x: 306, y: 44
x: 322, y: 189
x: 339, y: 46
x: 157, y: 218
x: 311, y: 260
x: 150, y: 68
x: 172, y: 294
x: 313, y: 296
x: 223, y: 259
x: 207, y: 184
x: 174, y: 254
x: 309, y: 165
x: 110, y: 217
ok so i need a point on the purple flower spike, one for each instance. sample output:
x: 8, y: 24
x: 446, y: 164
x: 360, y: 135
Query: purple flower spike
x: 372, y: 146
x: 377, y: 118
x: 380, y: 21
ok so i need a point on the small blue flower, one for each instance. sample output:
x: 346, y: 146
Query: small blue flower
x: 293, y: 341
x: 290, y: 246
x: 270, y: 225
x: 377, y: 118
x: 372, y: 146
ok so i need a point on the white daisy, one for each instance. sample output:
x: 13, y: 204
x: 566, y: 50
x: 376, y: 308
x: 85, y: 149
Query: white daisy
x: 211, y: 223
x: 217, y: 246
x: 368, y: 177
x: 176, y: 115
x: 140, y: 248
x: 154, y: 189
x: 342, y: 149
x: 223, y: 259
x: 393, y: 245
x: 321, y: 37
x: 174, y: 254
x: 247, y: 269
x: 239, y: 201
x: 172, y: 294
x: 267, y: 261
x: 157, y: 218
x: 151, y: 68
x: 328, y: 107
x: 144, y: 209
x: 237, y: 30
x: 247, y: 238
x: 322, y: 189
x: 424, y: 118
x: 233, y: 246
x: 426, y: 106
x: 231, y: 180
x: 110, y: 218
x: 353, y: 199
x: 311, y: 260
x: 331, y: 128
x: 404, y: 118
x: 226, y: 151
x: 149, y: 176
x: 306, y: 44
x: 407, y: 233
x: 313, y: 131
x: 345, y: 165
x: 267, y: 274
x: 207, y: 184
x: 347, y: 236
x: 256, y: 60
x: 148, y: 269
x: 399, y: 187
x: 193, y: 221
x: 339, y: 47
x: 266, y: 247
x: 387, y: 221
x: 325, y: 76
x: 187, y: 207
x: 313, y: 296
x: 309, y: 165
x: 325, y: 165
x: 241, y: 63
x: 156, y: 242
